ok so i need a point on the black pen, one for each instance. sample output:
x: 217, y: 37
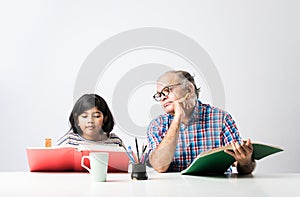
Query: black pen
x: 144, y: 155
x: 137, y: 149
x: 144, y: 149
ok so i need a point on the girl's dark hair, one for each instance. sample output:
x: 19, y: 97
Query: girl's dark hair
x: 87, y: 102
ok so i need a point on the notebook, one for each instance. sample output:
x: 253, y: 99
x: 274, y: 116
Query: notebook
x: 60, y: 158
x: 216, y: 161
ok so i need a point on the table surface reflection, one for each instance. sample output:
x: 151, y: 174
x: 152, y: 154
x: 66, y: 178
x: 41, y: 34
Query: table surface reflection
x: 158, y: 184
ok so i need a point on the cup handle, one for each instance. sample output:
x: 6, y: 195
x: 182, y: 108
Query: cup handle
x: 82, y: 162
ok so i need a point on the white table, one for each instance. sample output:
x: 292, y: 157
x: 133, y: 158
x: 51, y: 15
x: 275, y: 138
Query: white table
x: 164, y: 184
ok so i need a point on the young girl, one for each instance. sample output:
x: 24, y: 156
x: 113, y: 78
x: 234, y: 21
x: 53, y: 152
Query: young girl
x: 91, y: 123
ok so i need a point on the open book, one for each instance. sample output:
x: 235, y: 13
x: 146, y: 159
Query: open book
x: 216, y: 161
x: 61, y: 158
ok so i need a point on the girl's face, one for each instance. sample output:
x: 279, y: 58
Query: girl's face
x: 91, y: 122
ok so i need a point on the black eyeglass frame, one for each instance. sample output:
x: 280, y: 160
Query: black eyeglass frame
x: 166, y: 89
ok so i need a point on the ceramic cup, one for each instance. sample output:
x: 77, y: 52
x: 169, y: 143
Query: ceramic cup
x: 98, y: 165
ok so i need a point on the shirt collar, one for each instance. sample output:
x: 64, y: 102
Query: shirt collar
x: 195, y: 112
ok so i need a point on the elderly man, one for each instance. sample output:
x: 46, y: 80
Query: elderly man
x: 190, y: 127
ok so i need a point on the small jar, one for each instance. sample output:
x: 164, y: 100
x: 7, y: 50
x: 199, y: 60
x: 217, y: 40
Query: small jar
x: 138, y: 172
x: 48, y: 142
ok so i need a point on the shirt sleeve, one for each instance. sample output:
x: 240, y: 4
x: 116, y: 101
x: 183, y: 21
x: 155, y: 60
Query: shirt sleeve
x: 154, y: 134
x: 230, y: 130
x: 70, y: 138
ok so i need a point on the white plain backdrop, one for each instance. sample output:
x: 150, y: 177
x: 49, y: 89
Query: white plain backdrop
x: 254, y: 45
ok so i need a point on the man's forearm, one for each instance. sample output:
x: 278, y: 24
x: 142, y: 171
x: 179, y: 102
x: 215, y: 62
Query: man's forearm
x: 161, y: 158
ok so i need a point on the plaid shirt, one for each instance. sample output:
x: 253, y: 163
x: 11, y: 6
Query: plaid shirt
x: 208, y: 128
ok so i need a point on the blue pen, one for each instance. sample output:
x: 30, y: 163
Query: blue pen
x: 131, y: 156
x: 128, y: 154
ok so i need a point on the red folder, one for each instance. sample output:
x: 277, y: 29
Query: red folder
x: 69, y: 159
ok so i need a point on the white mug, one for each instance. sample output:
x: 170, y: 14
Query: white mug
x: 98, y: 165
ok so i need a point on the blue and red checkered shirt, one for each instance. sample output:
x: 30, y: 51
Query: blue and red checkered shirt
x: 208, y: 128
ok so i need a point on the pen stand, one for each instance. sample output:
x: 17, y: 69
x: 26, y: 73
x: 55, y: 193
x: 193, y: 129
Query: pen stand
x: 139, y: 172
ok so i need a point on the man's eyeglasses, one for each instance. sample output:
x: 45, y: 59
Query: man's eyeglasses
x: 164, y: 92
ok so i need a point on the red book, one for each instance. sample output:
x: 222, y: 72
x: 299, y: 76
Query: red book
x: 69, y: 158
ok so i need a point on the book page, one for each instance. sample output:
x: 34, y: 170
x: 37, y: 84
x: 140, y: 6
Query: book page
x: 102, y: 147
x: 211, y: 151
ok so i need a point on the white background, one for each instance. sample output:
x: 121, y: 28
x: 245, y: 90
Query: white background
x: 254, y: 44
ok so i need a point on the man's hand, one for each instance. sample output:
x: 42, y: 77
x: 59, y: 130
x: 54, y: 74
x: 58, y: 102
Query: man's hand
x: 243, y: 155
x: 179, y: 106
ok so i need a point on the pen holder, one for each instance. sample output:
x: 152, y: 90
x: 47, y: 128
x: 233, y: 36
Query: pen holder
x: 139, y: 172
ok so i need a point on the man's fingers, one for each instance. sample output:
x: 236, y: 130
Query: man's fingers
x: 182, y: 100
x: 229, y: 153
x: 240, y: 149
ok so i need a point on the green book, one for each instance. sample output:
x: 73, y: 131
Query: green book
x: 216, y: 161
